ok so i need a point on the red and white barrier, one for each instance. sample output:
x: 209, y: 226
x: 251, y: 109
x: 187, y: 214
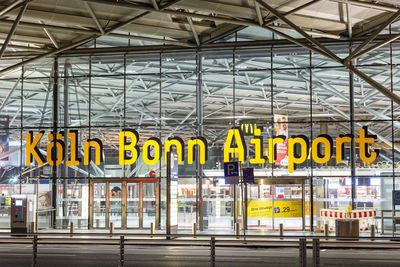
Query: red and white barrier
x: 365, y: 217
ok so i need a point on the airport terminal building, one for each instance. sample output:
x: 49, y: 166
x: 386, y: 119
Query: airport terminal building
x: 127, y: 112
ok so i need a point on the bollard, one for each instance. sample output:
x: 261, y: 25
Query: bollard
x: 373, y: 231
x: 111, y: 229
x: 151, y: 230
x: 259, y: 223
x: 194, y: 230
x: 212, y: 250
x: 316, y: 252
x: 302, y: 252
x: 326, y: 229
x: 281, y: 229
x: 71, y: 228
x: 237, y: 230
x: 121, y: 250
x: 34, y: 252
x: 32, y: 230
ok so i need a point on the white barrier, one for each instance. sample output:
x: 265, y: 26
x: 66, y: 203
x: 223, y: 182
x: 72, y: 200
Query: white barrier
x: 366, y: 218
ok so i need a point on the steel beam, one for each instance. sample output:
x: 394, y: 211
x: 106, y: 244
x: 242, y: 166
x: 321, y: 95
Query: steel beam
x: 51, y: 37
x: 274, y: 18
x: 9, y: 95
x: 394, y: 17
x: 195, y: 35
x: 96, y: 21
x: 330, y: 55
x: 300, y: 31
x: 377, y: 46
x: 91, y: 32
x: 349, y: 21
x: 368, y: 5
x: 258, y: 12
x: 176, y: 13
x: 293, y: 40
x: 11, y: 7
x: 13, y: 28
x: 81, y: 42
x: 375, y: 84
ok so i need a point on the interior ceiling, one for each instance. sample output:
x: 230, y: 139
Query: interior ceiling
x: 48, y: 24
x: 48, y: 27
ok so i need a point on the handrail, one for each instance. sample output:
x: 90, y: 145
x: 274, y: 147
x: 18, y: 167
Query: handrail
x: 211, y: 241
x: 155, y: 235
x: 45, y: 210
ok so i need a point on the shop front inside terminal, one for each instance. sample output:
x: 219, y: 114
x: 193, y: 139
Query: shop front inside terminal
x: 144, y: 146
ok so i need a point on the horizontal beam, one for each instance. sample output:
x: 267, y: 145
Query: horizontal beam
x: 204, y: 47
x: 372, y: 5
x: 90, y: 32
x: 176, y: 13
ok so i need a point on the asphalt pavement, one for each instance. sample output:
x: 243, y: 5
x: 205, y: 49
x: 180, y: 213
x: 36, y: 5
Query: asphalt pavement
x: 108, y: 255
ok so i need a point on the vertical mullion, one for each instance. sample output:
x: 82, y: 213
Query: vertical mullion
x: 311, y: 183
x: 272, y: 187
x: 22, y: 126
x: 352, y: 154
x: 55, y: 129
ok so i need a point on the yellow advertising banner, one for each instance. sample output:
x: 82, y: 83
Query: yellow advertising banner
x: 281, y: 209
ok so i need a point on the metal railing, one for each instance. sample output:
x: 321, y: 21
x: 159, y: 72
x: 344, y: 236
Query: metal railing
x: 208, y: 241
x: 392, y: 217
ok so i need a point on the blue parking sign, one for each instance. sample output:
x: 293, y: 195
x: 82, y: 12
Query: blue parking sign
x: 231, y: 169
x: 248, y: 175
x: 396, y: 197
x: 231, y: 172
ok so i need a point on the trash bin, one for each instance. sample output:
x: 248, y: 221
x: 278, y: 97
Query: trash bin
x: 347, y: 227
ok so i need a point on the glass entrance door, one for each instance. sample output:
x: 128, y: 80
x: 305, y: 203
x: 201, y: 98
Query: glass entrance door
x: 115, y: 204
x: 269, y: 205
x: 289, y: 206
x: 148, y: 204
x: 140, y: 204
x: 130, y: 203
x: 99, y: 205
x: 133, y: 204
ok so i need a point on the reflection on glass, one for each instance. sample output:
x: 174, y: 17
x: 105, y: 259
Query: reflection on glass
x: 132, y: 205
x: 149, y: 204
x: 115, y: 208
x: 99, y: 205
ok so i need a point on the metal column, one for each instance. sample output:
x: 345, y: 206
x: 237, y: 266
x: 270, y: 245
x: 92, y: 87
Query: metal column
x: 55, y: 129
x: 168, y: 204
x: 200, y: 130
x: 352, y: 152
x: 66, y: 123
x: 311, y: 181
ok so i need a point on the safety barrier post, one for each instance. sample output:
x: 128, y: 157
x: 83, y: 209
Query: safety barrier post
x: 316, y: 252
x: 212, y: 254
x: 71, y: 228
x: 326, y: 229
x: 111, y: 229
x: 302, y: 252
x: 121, y: 251
x: 194, y: 230
x: 151, y: 229
x: 281, y: 229
x: 372, y: 231
x: 32, y: 227
x: 34, y: 247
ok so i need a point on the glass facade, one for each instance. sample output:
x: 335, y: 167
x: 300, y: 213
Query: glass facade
x: 283, y: 90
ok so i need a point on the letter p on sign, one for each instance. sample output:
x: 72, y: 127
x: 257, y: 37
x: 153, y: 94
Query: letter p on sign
x: 231, y: 169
